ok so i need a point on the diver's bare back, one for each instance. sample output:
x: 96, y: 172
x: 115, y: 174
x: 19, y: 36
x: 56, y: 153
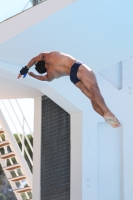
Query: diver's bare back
x: 58, y: 64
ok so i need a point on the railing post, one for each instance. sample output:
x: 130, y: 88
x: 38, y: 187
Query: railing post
x: 23, y: 138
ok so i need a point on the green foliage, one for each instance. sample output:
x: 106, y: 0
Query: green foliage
x: 6, y: 192
x: 5, y: 189
x: 1, y: 170
x: 2, y: 196
x: 27, y: 147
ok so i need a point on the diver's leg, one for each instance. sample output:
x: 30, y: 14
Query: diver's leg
x: 88, y: 94
x: 89, y: 83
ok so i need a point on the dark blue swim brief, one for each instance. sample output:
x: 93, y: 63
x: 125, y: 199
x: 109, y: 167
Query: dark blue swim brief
x: 73, y: 72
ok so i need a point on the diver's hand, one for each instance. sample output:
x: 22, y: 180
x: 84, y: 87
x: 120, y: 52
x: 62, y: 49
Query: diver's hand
x: 23, y: 72
x: 19, y: 75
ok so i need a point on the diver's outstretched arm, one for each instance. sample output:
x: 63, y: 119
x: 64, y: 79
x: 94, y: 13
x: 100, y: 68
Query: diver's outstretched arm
x: 33, y: 61
x: 39, y: 77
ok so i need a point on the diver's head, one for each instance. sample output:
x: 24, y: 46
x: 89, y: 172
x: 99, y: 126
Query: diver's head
x: 40, y: 67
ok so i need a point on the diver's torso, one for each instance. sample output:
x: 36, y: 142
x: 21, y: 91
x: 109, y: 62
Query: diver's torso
x: 58, y: 64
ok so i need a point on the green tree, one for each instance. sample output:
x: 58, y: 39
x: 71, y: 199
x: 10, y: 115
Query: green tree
x: 2, y: 197
x: 6, y: 192
x: 27, y: 147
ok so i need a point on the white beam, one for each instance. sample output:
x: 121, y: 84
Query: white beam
x: 11, y: 87
x: 37, y: 149
x: 15, y: 25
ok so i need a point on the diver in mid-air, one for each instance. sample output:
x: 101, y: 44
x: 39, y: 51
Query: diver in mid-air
x: 56, y: 64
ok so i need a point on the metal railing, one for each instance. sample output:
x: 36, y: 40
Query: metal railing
x: 11, y: 157
x: 16, y: 119
x: 35, y: 2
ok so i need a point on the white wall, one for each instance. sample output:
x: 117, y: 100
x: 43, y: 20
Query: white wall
x: 75, y: 145
x: 107, y: 159
x: 107, y: 152
x: 11, y: 87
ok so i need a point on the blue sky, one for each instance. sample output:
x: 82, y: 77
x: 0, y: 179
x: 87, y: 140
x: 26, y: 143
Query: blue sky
x: 11, y: 7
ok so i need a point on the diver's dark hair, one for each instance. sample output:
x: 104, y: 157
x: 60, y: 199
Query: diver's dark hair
x: 40, y: 67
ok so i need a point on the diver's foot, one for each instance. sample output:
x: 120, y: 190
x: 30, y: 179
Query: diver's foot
x: 112, y: 120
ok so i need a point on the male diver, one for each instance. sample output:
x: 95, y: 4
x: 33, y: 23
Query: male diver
x: 57, y: 64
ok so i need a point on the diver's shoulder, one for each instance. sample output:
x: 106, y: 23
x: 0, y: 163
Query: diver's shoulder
x: 53, y: 52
